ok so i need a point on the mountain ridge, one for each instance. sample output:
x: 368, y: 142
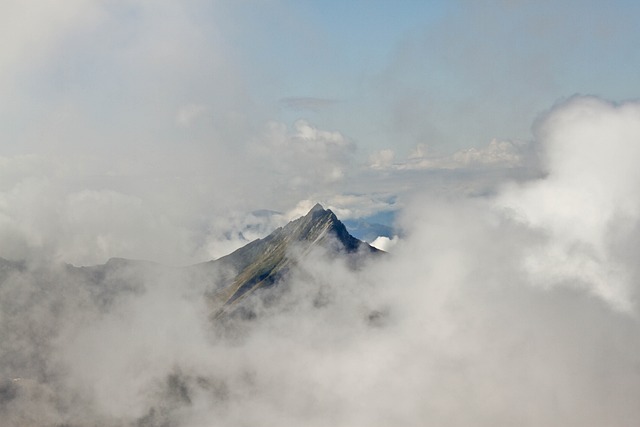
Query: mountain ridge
x: 263, y: 262
x: 227, y: 280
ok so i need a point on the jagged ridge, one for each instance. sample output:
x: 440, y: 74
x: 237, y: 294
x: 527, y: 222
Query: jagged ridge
x: 265, y: 261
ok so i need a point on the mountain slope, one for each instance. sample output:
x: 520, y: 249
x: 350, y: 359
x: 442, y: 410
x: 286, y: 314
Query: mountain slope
x: 264, y: 262
x: 259, y: 264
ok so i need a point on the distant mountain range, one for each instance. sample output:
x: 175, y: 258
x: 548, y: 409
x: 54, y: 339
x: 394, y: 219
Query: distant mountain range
x: 368, y: 231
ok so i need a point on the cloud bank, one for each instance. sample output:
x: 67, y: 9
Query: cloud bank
x: 497, y: 154
x: 516, y: 309
x: 589, y: 203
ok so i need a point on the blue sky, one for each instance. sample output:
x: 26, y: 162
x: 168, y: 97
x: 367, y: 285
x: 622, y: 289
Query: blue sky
x: 448, y: 74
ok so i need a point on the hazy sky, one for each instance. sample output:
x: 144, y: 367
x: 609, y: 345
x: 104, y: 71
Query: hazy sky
x: 448, y: 74
x: 162, y: 115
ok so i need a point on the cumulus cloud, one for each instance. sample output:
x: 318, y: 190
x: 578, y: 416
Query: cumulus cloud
x: 226, y: 233
x: 348, y: 206
x: 175, y: 207
x: 384, y: 243
x: 497, y: 154
x: 589, y: 203
x: 382, y: 159
x: 503, y: 153
x: 304, y: 155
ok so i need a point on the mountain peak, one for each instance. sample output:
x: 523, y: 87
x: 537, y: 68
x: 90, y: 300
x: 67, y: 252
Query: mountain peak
x: 315, y: 208
x: 264, y: 262
x: 319, y: 213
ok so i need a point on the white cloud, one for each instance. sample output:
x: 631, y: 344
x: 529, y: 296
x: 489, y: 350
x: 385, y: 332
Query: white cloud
x: 384, y: 243
x: 226, y: 233
x: 382, y: 159
x: 305, y: 157
x: 346, y: 206
x: 500, y: 153
x: 497, y: 154
x: 590, y: 201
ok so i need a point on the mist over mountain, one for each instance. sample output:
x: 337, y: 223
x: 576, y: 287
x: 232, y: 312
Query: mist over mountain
x: 162, y: 263
x: 34, y: 389
x: 503, y: 310
x: 264, y: 262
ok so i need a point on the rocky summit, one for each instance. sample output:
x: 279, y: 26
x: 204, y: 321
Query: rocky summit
x: 266, y: 261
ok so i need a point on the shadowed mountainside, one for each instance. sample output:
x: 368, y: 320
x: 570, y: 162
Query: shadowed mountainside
x: 264, y: 262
